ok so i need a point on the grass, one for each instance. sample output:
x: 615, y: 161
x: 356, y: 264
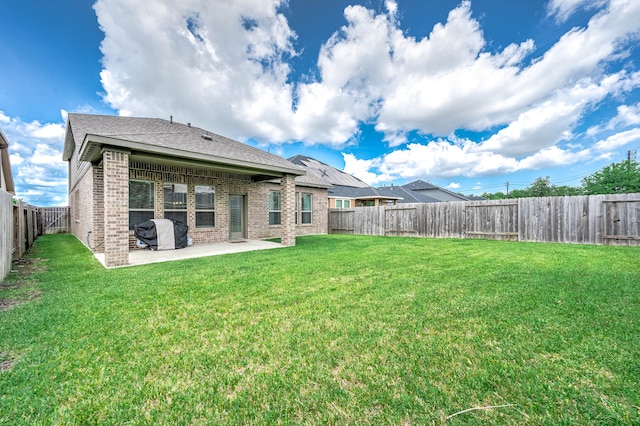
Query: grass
x: 337, y: 330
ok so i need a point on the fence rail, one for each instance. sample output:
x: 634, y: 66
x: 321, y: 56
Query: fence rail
x: 612, y: 219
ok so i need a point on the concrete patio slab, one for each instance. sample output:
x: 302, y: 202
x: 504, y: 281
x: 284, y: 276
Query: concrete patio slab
x: 145, y: 256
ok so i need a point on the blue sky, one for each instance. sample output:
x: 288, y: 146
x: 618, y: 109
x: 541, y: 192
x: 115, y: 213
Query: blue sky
x: 468, y: 95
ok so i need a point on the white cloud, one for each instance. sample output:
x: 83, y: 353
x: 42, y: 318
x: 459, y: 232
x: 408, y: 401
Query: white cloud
x: 48, y: 183
x: 563, y: 9
x: 552, y: 157
x: 229, y: 72
x: 48, y: 131
x: 453, y: 185
x: 443, y: 159
x: 360, y: 169
x: 446, y: 159
x: 31, y: 193
x: 44, y: 154
x: 16, y: 159
x: 628, y: 115
x: 35, y: 150
x: 548, y: 123
x: 222, y: 67
x: 618, y: 140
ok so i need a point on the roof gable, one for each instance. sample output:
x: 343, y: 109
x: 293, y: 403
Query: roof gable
x: 417, y: 185
x: 436, y: 192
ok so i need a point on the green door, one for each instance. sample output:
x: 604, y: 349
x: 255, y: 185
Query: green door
x: 237, y: 215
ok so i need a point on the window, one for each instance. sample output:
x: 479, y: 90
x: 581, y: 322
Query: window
x: 205, y: 206
x: 306, y: 208
x: 175, y: 201
x: 296, y: 208
x: 274, y: 208
x: 141, y: 198
x: 343, y: 204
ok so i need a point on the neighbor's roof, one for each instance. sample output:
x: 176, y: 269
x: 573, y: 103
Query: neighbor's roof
x: 307, y: 181
x: 340, y: 191
x: 407, y: 195
x: 7, y: 175
x: 312, y: 181
x: 420, y: 185
x: 327, y: 173
x: 3, y: 141
x: 156, y: 136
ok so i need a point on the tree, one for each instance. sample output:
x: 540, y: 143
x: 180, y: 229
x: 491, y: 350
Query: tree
x: 496, y: 196
x: 567, y: 190
x: 616, y: 178
x: 541, y: 187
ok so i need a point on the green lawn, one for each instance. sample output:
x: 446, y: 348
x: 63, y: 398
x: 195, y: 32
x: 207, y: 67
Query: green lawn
x: 337, y: 330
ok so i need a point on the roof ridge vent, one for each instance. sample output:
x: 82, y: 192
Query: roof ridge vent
x: 206, y: 137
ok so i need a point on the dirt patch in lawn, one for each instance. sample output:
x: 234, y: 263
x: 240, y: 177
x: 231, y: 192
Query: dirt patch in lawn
x: 12, y: 302
x: 6, y: 362
x: 19, y: 287
x: 28, y: 266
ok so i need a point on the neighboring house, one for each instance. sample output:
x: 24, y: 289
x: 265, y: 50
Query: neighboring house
x: 7, y: 191
x: 407, y: 195
x: 6, y: 177
x: 124, y: 170
x: 433, y: 191
x: 346, y: 191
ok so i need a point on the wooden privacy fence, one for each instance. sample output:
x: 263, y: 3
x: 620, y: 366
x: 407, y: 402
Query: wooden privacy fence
x: 21, y: 224
x: 612, y: 219
x: 55, y: 220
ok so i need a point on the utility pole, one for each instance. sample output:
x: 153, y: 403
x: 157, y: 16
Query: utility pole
x: 507, y: 183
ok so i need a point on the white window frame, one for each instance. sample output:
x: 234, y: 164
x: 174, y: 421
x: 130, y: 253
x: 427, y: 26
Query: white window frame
x: 273, y: 211
x: 178, y: 209
x: 343, y: 203
x: 207, y: 210
x: 153, y: 200
x: 309, y: 211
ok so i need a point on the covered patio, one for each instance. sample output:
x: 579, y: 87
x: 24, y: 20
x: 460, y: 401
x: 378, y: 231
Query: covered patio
x: 145, y: 256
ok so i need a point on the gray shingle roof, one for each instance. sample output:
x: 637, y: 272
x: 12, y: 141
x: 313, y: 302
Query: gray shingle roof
x: 353, y: 192
x: 312, y: 181
x: 407, y: 195
x: 417, y: 185
x: 441, y: 194
x: 327, y: 173
x: 155, y: 135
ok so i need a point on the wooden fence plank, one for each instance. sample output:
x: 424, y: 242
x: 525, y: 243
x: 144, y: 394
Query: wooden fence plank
x: 6, y: 233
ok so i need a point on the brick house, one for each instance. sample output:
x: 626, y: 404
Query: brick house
x: 124, y: 170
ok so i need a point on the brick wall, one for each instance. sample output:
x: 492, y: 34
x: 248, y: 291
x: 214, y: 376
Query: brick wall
x: 259, y: 212
x: 97, y: 240
x: 224, y: 184
x: 81, y: 200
